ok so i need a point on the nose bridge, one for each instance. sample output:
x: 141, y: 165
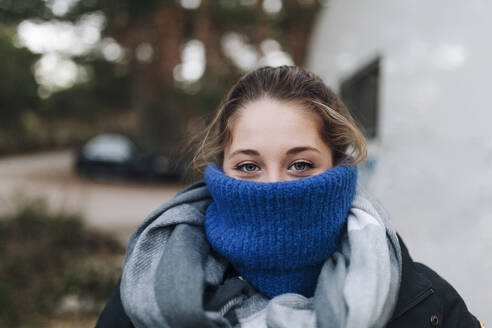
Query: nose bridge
x: 273, y: 166
x: 274, y: 174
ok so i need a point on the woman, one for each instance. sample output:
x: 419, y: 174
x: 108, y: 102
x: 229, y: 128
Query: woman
x: 279, y: 234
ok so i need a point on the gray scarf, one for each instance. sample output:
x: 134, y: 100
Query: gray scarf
x: 169, y: 263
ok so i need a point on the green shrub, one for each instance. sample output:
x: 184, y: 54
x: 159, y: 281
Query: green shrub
x: 48, y: 258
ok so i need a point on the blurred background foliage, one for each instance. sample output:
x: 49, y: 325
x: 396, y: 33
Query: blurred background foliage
x: 51, y: 265
x: 150, y: 69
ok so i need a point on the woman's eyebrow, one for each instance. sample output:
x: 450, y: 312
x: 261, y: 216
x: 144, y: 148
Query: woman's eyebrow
x: 300, y: 149
x: 251, y: 152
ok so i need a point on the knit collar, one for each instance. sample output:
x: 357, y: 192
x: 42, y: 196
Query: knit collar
x: 277, y: 235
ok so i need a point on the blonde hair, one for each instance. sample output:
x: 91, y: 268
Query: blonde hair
x: 291, y: 84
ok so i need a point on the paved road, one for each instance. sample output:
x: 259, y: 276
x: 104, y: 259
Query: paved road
x: 115, y: 207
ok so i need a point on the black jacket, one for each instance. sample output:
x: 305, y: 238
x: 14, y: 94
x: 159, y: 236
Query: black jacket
x: 425, y: 300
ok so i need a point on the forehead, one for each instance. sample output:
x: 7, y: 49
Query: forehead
x: 268, y: 120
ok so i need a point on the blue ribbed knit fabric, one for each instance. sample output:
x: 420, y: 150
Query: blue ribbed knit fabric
x: 277, y: 235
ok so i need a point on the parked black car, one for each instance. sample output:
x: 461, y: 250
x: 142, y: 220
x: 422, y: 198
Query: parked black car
x: 115, y: 156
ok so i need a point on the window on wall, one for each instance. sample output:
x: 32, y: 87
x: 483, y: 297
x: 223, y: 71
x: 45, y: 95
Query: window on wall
x: 360, y: 93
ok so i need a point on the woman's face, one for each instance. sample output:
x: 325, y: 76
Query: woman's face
x: 275, y: 141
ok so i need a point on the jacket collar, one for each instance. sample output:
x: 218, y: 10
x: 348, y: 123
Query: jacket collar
x: 414, y: 287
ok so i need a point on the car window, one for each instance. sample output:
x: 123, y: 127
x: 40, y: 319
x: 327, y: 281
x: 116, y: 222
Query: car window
x: 109, y: 147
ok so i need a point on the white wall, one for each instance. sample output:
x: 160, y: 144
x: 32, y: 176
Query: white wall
x: 433, y: 169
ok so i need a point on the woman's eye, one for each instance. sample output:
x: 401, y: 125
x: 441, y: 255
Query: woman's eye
x: 301, y: 166
x: 248, y: 167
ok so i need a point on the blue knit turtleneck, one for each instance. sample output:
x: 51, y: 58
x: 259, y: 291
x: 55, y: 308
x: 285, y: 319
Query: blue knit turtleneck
x: 277, y: 235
